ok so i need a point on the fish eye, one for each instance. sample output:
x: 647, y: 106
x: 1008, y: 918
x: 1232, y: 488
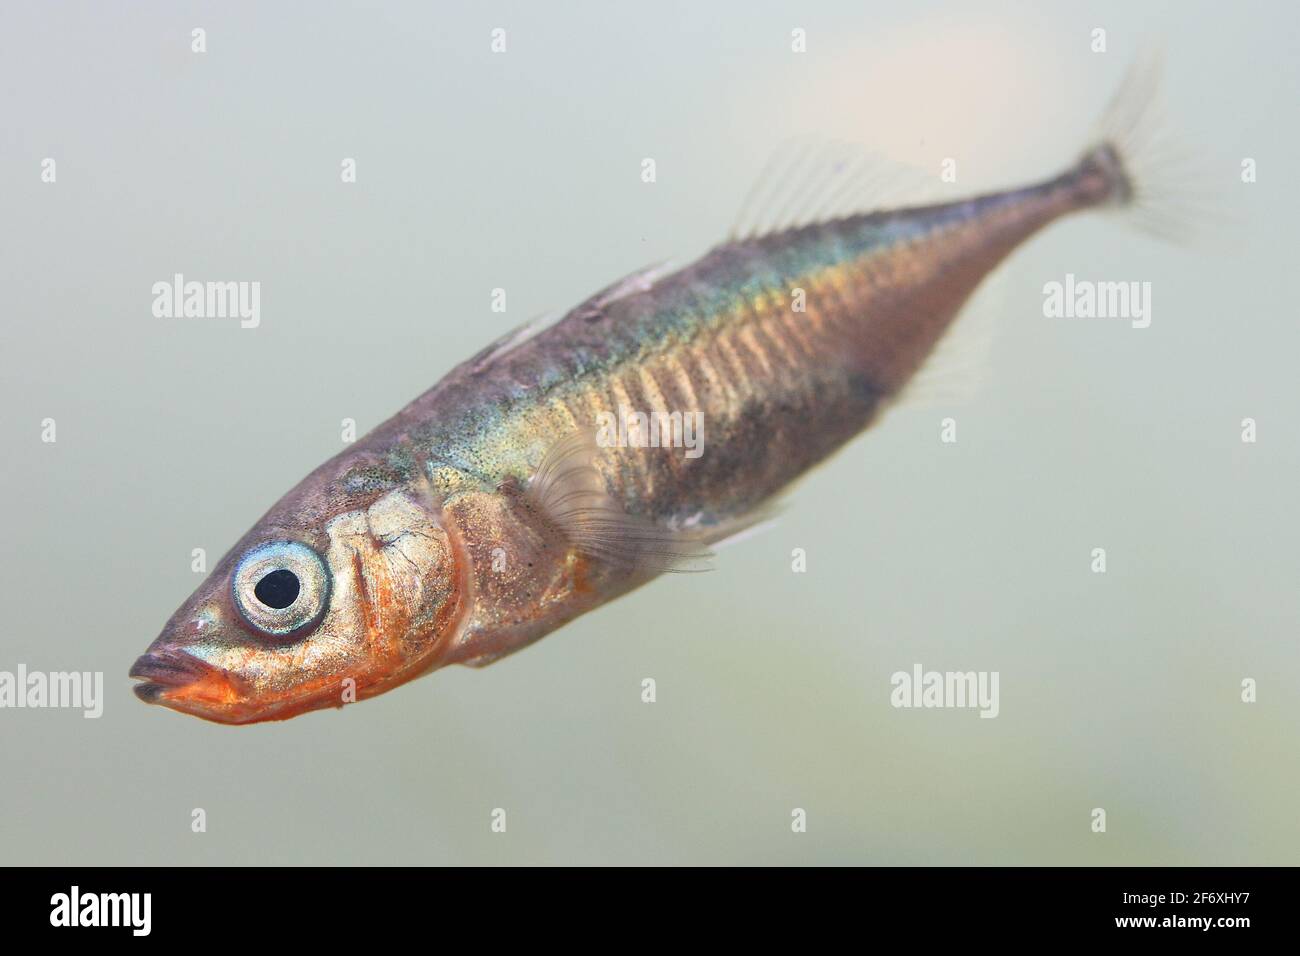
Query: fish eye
x: 281, y: 588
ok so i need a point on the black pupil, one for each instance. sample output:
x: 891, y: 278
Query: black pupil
x: 278, y: 589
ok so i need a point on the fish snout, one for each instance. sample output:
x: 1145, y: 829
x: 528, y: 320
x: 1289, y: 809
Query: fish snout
x: 163, y: 670
x: 184, y: 668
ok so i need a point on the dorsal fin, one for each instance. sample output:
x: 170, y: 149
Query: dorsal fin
x: 640, y: 281
x: 511, y: 340
x: 810, y: 179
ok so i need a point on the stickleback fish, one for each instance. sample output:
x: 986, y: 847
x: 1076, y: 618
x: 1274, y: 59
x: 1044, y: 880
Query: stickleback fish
x: 500, y: 504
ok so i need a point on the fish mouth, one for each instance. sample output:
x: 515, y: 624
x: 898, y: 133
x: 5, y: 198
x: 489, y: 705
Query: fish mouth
x: 166, y: 671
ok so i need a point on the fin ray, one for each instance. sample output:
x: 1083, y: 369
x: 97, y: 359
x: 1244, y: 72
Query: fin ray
x: 811, y: 179
x: 569, y: 490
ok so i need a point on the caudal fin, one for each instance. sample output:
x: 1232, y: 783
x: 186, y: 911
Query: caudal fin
x: 1139, y: 165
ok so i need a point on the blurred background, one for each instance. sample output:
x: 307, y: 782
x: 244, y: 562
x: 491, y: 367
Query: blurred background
x: 521, y: 170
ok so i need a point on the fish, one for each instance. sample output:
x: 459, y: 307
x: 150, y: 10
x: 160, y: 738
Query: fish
x: 569, y: 463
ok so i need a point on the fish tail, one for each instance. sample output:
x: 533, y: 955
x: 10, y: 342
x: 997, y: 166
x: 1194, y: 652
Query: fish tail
x: 1135, y: 164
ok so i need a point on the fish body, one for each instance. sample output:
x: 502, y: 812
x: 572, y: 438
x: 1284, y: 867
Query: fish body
x: 489, y: 511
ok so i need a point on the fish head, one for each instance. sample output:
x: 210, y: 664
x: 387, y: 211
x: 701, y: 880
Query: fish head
x: 334, y: 596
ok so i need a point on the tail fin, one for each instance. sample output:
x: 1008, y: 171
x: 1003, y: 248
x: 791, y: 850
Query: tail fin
x: 1135, y: 163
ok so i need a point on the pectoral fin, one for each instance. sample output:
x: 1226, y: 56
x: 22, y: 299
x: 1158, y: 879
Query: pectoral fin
x: 570, y: 492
